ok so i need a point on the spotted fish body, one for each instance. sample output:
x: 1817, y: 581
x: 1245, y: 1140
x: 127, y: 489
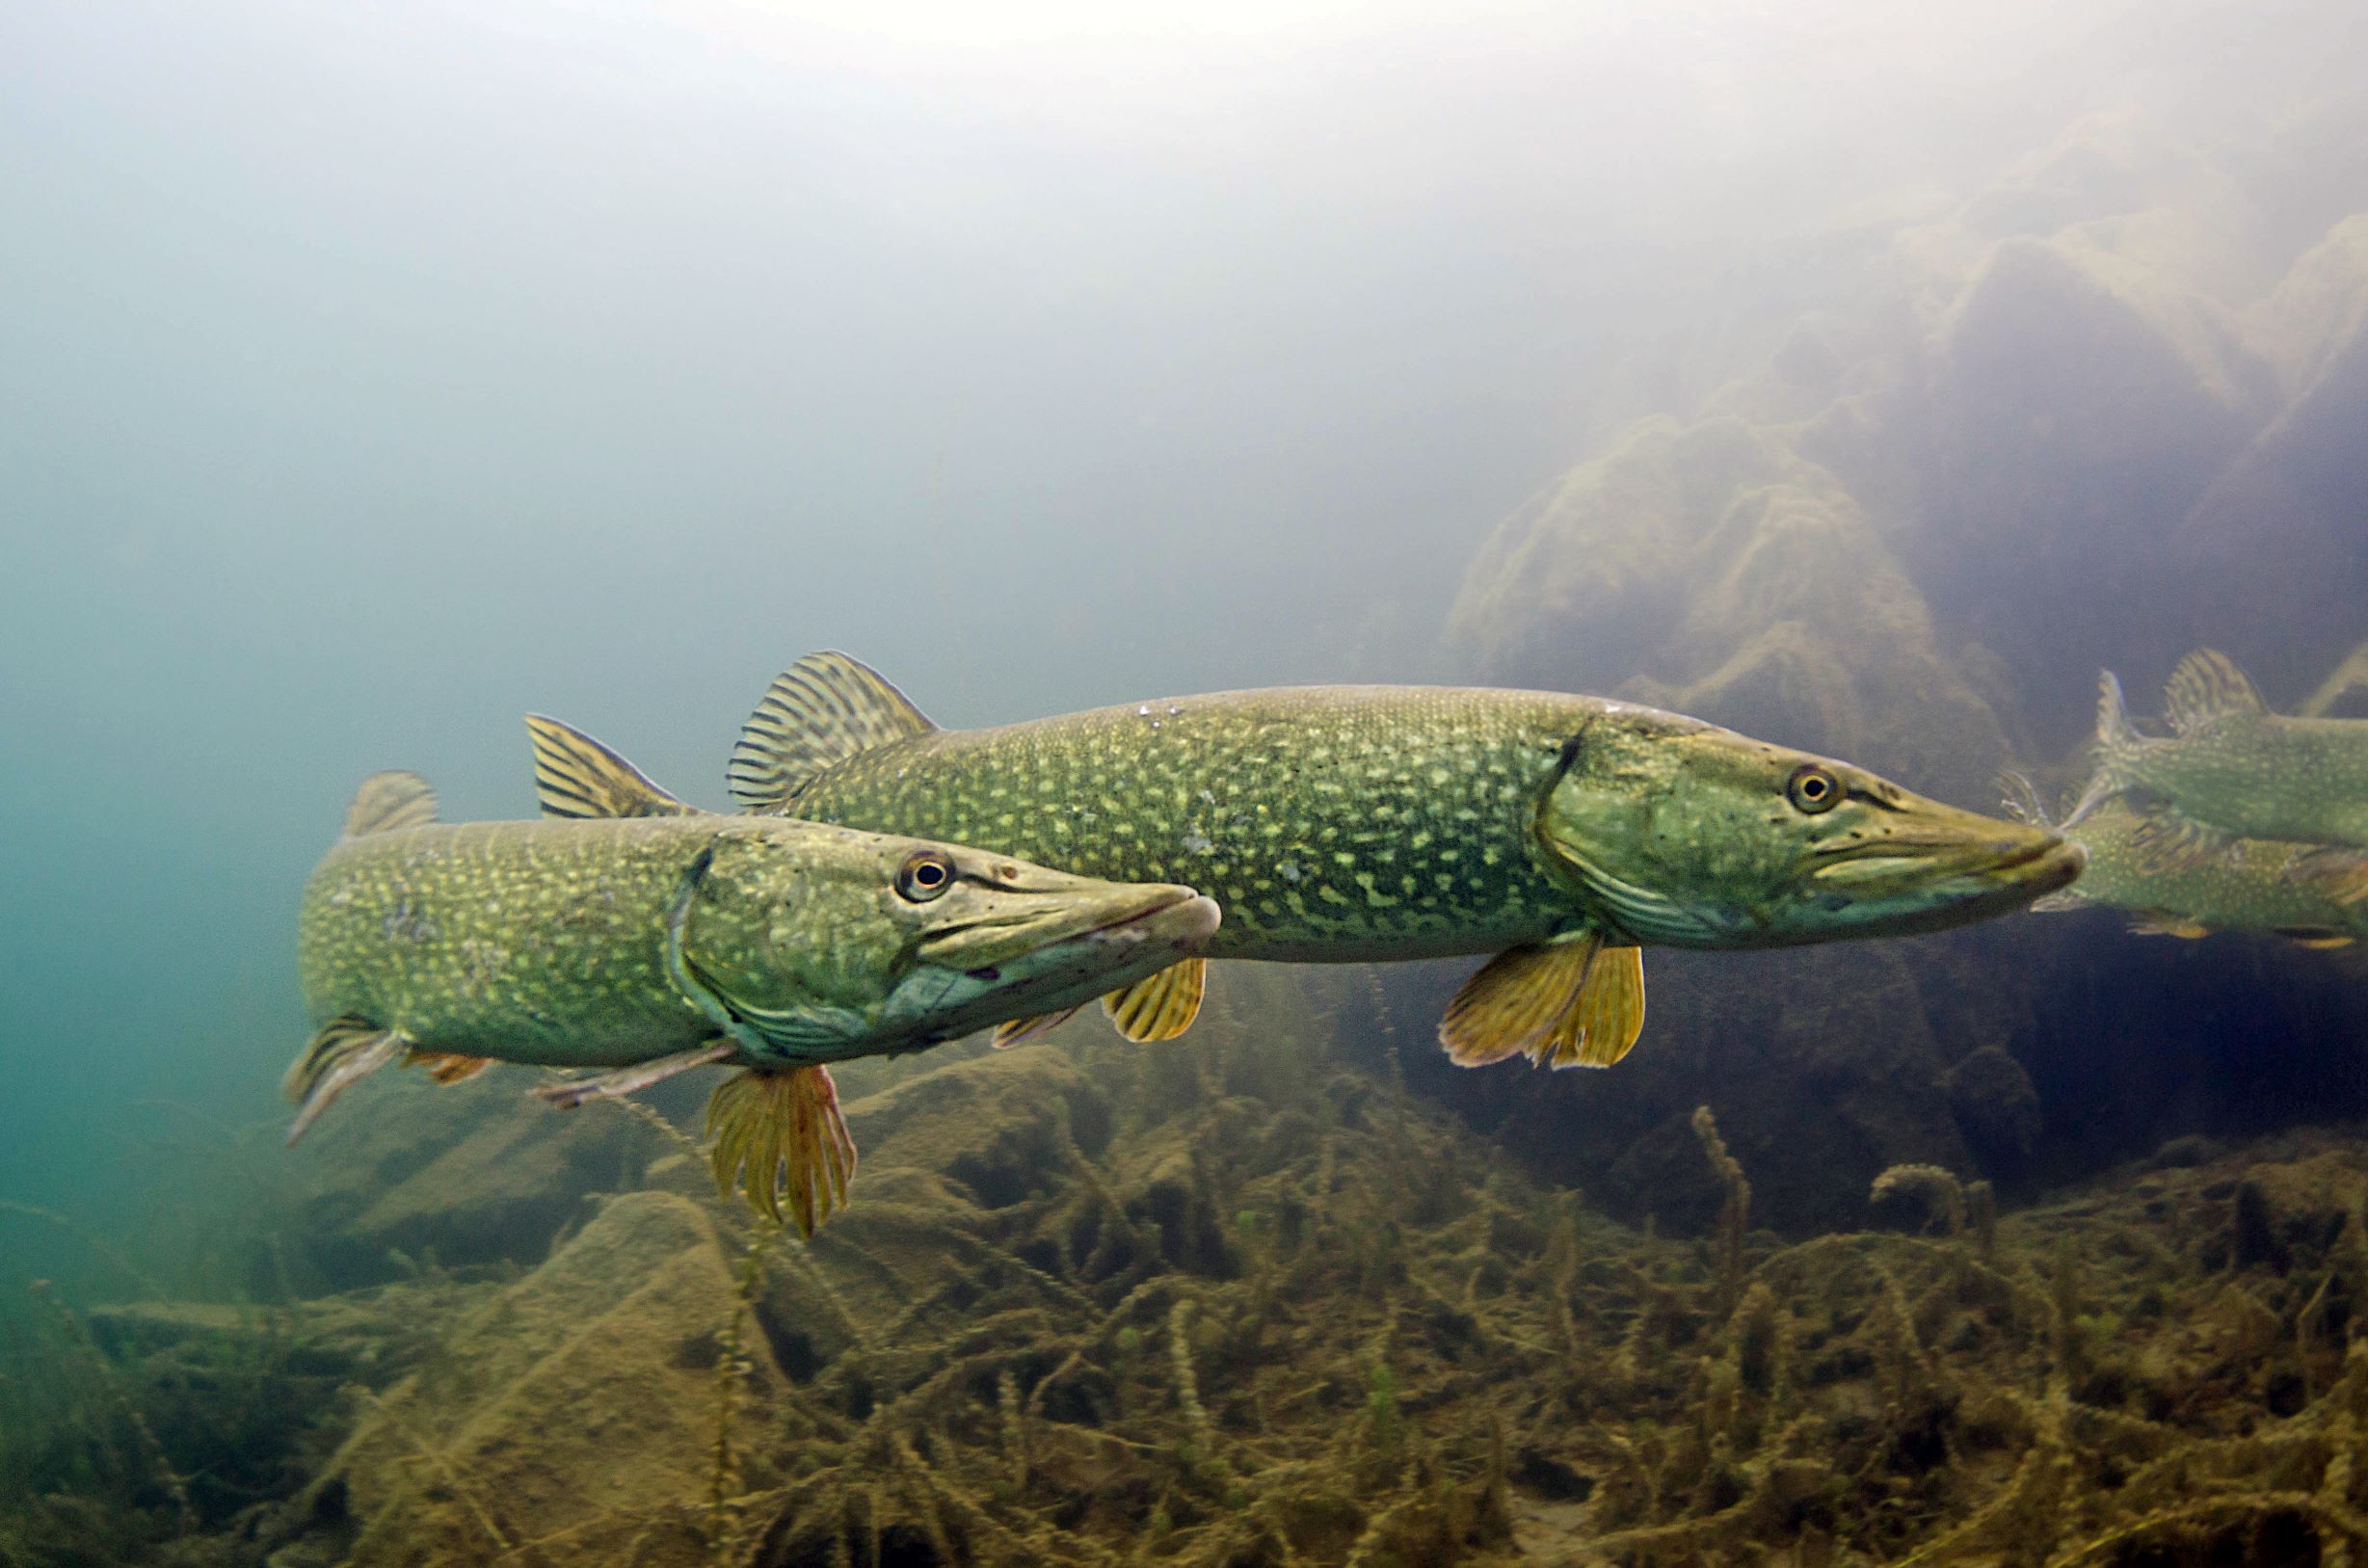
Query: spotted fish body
x: 2234, y: 769
x: 1350, y: 823
x: 541, y: 943
x: 2256, y: 885
x: 630, y: 933
x: 1329, y: 823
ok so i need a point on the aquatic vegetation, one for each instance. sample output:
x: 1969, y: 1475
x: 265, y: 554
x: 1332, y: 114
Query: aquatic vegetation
x: 1233, y: 1303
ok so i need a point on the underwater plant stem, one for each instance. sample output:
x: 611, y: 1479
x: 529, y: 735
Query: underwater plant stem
x: 732, y: 1368
x: 443, y: 1467
x: 1180, y: 1354
x: 159, y: 1462
x: 1734, y: 1215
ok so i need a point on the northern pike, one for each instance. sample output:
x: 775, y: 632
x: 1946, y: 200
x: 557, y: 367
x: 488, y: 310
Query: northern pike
x: 2233, y: 770
x: 2253, y: 886
x: 644, y: 937
x: 1350, y: 823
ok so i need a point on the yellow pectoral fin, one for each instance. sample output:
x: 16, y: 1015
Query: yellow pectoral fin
x: 1604, y: 1022
x: 1022, y: 1029
x: 1515, y: 1003
x: 781, y: 1136
x: 2169, y: 925
x: 448, y: 1067
x: 1161, y: 1006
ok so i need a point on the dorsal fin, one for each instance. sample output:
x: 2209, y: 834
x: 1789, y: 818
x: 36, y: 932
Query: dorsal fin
x: 824, y: 709
x: 2206, y: 687
x: 576, y: 776
x: 388, y: 801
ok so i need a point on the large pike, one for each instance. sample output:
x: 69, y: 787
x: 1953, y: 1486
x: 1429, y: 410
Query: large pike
x: 1342, y: 823
x: 646, y: 938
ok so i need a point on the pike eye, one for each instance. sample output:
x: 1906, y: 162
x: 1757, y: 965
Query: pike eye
x: 924, y: 874
x: 1812, y: 790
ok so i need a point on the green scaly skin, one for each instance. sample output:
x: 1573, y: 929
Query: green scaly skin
x: 547, y: 942
x: 1353, y: 823
x: 2254, y: 885
x: 2259, y: 776
x: 2234, y: 769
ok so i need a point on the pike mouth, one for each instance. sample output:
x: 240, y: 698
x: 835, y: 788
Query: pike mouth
x: 1184, y: 915
x: 1171, y: 913
x: 1944, y: 857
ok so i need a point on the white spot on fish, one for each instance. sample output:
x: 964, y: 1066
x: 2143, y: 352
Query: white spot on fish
x: 1288, y: 870
x: 1197, y: 841
x: 1143, y: 712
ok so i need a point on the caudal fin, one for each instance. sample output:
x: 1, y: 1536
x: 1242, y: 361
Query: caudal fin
x: 2117, y: 741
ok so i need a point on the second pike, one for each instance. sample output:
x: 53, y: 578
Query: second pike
x: 2251, y: 885
x: 646, y: 938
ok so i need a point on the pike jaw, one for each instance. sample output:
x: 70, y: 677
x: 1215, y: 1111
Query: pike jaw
x: 886, y: 944
x: 1689, y: 836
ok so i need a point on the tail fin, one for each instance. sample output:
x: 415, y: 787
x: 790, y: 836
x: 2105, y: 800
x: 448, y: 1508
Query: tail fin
x: 2116, y: 738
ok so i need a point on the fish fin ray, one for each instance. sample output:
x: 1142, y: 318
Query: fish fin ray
x: 2168, y: 842
x: 781, y: 1136
x: 447, y: 1066
x: 345, y: 1052
x: 2319, y: 938
x: 2339, y: 872
x: 390, y: 800
x: 824, y: 709
x: 2061, y: 902
x: 1020, y: 1030
x: 1607, y: 1015
x: 576, y: 776
x: 1511, y: 1005
x: 2169, y: 925
x: 570, y: 1093
x: 1160, y: 1006
x: 2206, y: 688
x: 2115, y: 739
x: 2019, y: 798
